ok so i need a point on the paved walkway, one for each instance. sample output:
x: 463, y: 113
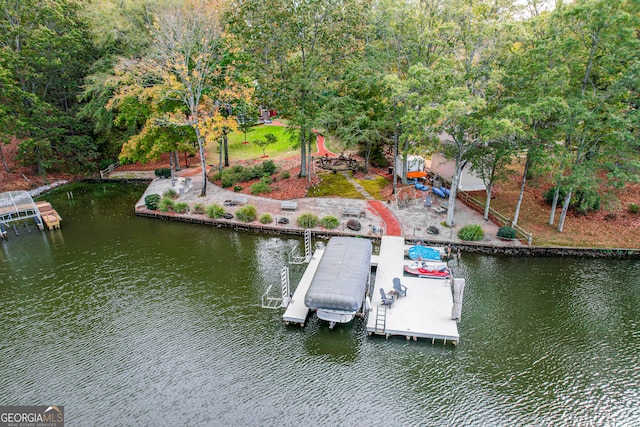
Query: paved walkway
x: 409, y: 220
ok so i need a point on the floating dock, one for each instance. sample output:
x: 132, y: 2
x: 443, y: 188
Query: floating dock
x: 49, y: 216
x: 297, y: 312
x: 426, y: 310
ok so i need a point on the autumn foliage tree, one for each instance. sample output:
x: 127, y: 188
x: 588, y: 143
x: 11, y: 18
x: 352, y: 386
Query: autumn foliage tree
x: 185, y: 77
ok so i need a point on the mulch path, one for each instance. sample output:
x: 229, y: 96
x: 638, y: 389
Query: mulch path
x: 393, y: 226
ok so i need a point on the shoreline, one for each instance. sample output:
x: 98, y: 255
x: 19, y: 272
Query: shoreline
x: 488, y: 248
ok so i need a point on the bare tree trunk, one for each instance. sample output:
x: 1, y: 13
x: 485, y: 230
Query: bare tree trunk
x: 565, y: 209
x: 488, y: 202
x: 176, y: 159
x: 226, y: 149
x: 203, y: 162
x: 4, y: 161
x: 303, y: 153
x: 172, y: 168
x: 554, y: 205
x: 220, y: 159
x: 452, y: 194
x: 309, y: 157
x: 522, y: 186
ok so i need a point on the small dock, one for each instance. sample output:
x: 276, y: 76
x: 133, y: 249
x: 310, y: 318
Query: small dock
x: 296, y: 311
x: 426, y: 310
x: 49, y: 215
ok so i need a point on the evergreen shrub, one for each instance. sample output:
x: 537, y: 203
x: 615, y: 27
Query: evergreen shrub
x: 308, y: 220
x: 214, y: 210
x: 151, y: 201
x: 507, y: 232
x: 266, y: 218
x: 471, y: 233
x: 247, y: 213
x: 330, y: 222
x: 163, y: 173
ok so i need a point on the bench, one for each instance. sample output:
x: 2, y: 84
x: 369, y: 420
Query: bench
x: 288, y: 206
x: 350, y: 211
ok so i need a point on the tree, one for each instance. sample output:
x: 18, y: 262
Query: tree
x: 45, y: 53
x: 298, y: 50
x: 264, y: 143
x: 186, y: 75
x: 600, y: 44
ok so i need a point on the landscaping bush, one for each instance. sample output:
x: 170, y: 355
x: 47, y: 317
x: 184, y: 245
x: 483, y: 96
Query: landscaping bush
x: 247, y: 213
x: 330, y: 222
x: 268, y: 167
x: 166, y: 204
x: 181, y: 207
x: 151, y: 201
x: 170, y: 193
x: 237, y: 188
x: 634, y: 208
x: 285, y: 175
x: 227, y: 181
x: 260, y: 187
x: 266, y: 218
x: 215, y: 211
x: 163, y: 172
x: 198, y: 208
x: 471, y: 233
x: 308, y: 220
x: 507, y: 232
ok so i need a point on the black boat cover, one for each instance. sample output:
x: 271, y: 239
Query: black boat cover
x: 342, y: 276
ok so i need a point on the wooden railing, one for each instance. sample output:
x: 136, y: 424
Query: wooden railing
x: 496, y: 216
x: 106, y: 172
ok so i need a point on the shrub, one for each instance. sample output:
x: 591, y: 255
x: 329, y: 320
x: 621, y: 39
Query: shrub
x: 227, y: 182
x: 507, y: 232
x: 198, y: 208
x: 166, y: 204
x: 634, y: 208
x: 330, y: 222
x: 471, y: 232
x: 285, y: 175
x: 237, y: 188
x: 151, y: 201
x: 308, y: 220
x: 247, y: 213
x: 266, y: 218
x: 163, y: 172
x: 582, y: 201
x: 268, y: 167
x: 260, y: 187
x: 215, y: 211
x: 170, y: 193
x: 181, y: 207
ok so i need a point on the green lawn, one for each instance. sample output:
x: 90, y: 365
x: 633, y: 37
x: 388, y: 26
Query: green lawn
x: 374, y: 186
x: 239, y: 151
x: 334, y: 184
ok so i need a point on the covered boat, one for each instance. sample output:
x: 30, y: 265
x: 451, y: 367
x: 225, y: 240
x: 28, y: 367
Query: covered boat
x: 338, y: 287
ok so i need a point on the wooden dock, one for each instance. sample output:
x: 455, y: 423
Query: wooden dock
x: 425, y: 312
x: 49, y: 216
x: 296, y: 311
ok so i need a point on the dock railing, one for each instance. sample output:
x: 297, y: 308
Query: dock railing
x: 104, y: 173
x: 496, y: 216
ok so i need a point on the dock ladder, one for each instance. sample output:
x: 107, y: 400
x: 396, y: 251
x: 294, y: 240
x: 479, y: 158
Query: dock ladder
x: 294, y: 259
x: 381, y: 320
x: 283, y: 300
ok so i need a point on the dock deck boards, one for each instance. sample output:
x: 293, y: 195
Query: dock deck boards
x: 426, y: 310
x: 296, y: 311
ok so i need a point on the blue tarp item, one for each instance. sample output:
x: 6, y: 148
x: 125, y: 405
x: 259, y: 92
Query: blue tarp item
x: 342, y: 276
x: 424, y: 253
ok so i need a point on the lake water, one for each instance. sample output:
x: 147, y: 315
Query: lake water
x: 132, y: 321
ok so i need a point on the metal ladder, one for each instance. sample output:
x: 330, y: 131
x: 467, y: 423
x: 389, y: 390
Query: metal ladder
x: 293, y: 259
x: 381, y: 320
x: 285, y: 292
